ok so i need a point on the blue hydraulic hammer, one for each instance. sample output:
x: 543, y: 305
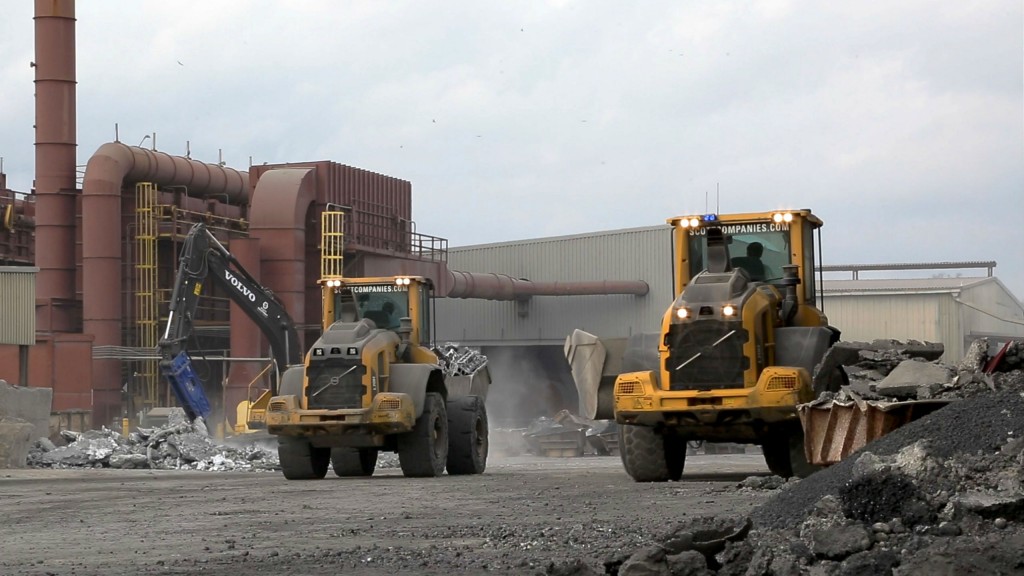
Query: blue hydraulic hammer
x: 187, y: 386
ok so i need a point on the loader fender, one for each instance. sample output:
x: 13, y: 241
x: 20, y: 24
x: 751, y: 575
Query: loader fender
x: 414, y: 380
x: 291, y: 381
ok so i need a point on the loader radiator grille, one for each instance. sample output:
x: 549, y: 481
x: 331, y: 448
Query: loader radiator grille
x: 335, y: 384
x: 706, y: 354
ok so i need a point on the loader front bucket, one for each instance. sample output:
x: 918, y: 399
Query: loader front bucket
x: 833, y: 430
x: 476, y: 384
x: 596, y: 362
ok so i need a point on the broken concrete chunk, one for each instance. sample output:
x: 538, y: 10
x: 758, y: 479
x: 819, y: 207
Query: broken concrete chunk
x: 909, y: 376
x: 838, y: 542
x: 991, y: 505
x: 27, y: 403
x: 15, y: 435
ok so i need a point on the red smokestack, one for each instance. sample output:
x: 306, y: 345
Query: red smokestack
x: 55, y: 155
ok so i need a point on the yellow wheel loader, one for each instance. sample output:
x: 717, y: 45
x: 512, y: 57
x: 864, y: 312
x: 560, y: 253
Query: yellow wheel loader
x: 736, y: 351
x: 372, y: 382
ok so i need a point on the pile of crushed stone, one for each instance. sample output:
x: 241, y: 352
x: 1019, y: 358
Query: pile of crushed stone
x: 179, y: 445
x: 943, y: 494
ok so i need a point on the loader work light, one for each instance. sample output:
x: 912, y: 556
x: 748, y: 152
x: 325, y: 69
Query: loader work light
x: 728, y: 310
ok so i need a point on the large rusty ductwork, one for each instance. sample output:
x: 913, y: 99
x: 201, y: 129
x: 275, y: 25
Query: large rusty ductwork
x: 109, y: 169
x: 488, y: 286
x: 55, y: 151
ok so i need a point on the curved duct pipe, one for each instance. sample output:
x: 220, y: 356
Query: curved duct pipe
x: 108, y: 169
x: 489, y: 286
x: 280, y: 203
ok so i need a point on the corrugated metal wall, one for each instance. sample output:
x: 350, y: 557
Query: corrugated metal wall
x: 632, y: 254
x: 899, y: 316
x: 937, y: 316
x: 989, y: 309
x: 18, y: 305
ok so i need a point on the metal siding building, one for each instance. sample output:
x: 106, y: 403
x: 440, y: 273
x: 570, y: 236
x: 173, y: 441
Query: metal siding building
x: 953, y: 311
x: 631, y: 254
x: 18, y: 305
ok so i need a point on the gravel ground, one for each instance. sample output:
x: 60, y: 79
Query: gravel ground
x: 524, y: 515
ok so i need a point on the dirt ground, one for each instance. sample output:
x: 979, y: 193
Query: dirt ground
x: 521, y: 515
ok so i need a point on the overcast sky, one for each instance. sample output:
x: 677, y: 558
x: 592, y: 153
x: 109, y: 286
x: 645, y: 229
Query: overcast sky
x: 900, y: 123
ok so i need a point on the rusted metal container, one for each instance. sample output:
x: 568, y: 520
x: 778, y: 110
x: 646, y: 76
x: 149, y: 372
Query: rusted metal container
x: 833, y: 430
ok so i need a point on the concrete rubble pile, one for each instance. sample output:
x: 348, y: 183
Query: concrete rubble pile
x: 179, y: 445
x: 943, y: 494
x: 902, y: 374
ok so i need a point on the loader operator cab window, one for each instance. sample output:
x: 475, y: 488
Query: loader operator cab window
x: 760, y: 249
x: 383, y: 304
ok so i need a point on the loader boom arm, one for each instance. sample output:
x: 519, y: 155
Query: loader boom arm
x: 202, y: 256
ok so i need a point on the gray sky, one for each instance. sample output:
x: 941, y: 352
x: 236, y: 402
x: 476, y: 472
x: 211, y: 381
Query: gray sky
x: 900, y: 123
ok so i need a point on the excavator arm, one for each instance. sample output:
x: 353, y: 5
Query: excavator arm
x: 203, y: 256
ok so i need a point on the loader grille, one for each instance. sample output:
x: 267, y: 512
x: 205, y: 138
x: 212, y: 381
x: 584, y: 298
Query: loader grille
x: 335, y: 384
x: 706, y: 354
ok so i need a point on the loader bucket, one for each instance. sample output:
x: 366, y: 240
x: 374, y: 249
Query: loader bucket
x: 834, y: 430
x: 476, y: 384
x: 596, y: 362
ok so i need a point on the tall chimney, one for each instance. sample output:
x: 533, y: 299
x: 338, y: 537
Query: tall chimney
x: 55, y: 158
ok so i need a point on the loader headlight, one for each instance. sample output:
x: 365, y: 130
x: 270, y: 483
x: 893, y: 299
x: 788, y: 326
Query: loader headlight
x: 728, y: 310
x: 682, y: 313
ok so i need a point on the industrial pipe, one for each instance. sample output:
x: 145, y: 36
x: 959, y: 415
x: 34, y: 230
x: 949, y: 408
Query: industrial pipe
x: 489, y: 286
x: 109, y: 168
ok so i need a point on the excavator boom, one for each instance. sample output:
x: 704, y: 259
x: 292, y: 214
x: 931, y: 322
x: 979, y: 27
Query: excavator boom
x: 203, y: 256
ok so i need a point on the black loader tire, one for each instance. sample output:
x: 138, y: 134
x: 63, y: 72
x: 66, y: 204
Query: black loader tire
x: 651, y: 457
x: 784, y: 454
x: 467, y: 435
x: 423, y: 452
x: 300, y: 460
x: 354, y: 461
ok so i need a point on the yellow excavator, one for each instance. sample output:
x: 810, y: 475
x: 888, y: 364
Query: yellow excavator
x: 736, y: 351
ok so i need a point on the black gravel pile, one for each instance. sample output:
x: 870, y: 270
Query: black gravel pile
x: 941, y: 495
x: 980, y: 424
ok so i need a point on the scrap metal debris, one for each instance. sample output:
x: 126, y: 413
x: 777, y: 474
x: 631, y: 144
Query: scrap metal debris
x: 567, y: 434
x: 457, y: 360
x: 179, y: 445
